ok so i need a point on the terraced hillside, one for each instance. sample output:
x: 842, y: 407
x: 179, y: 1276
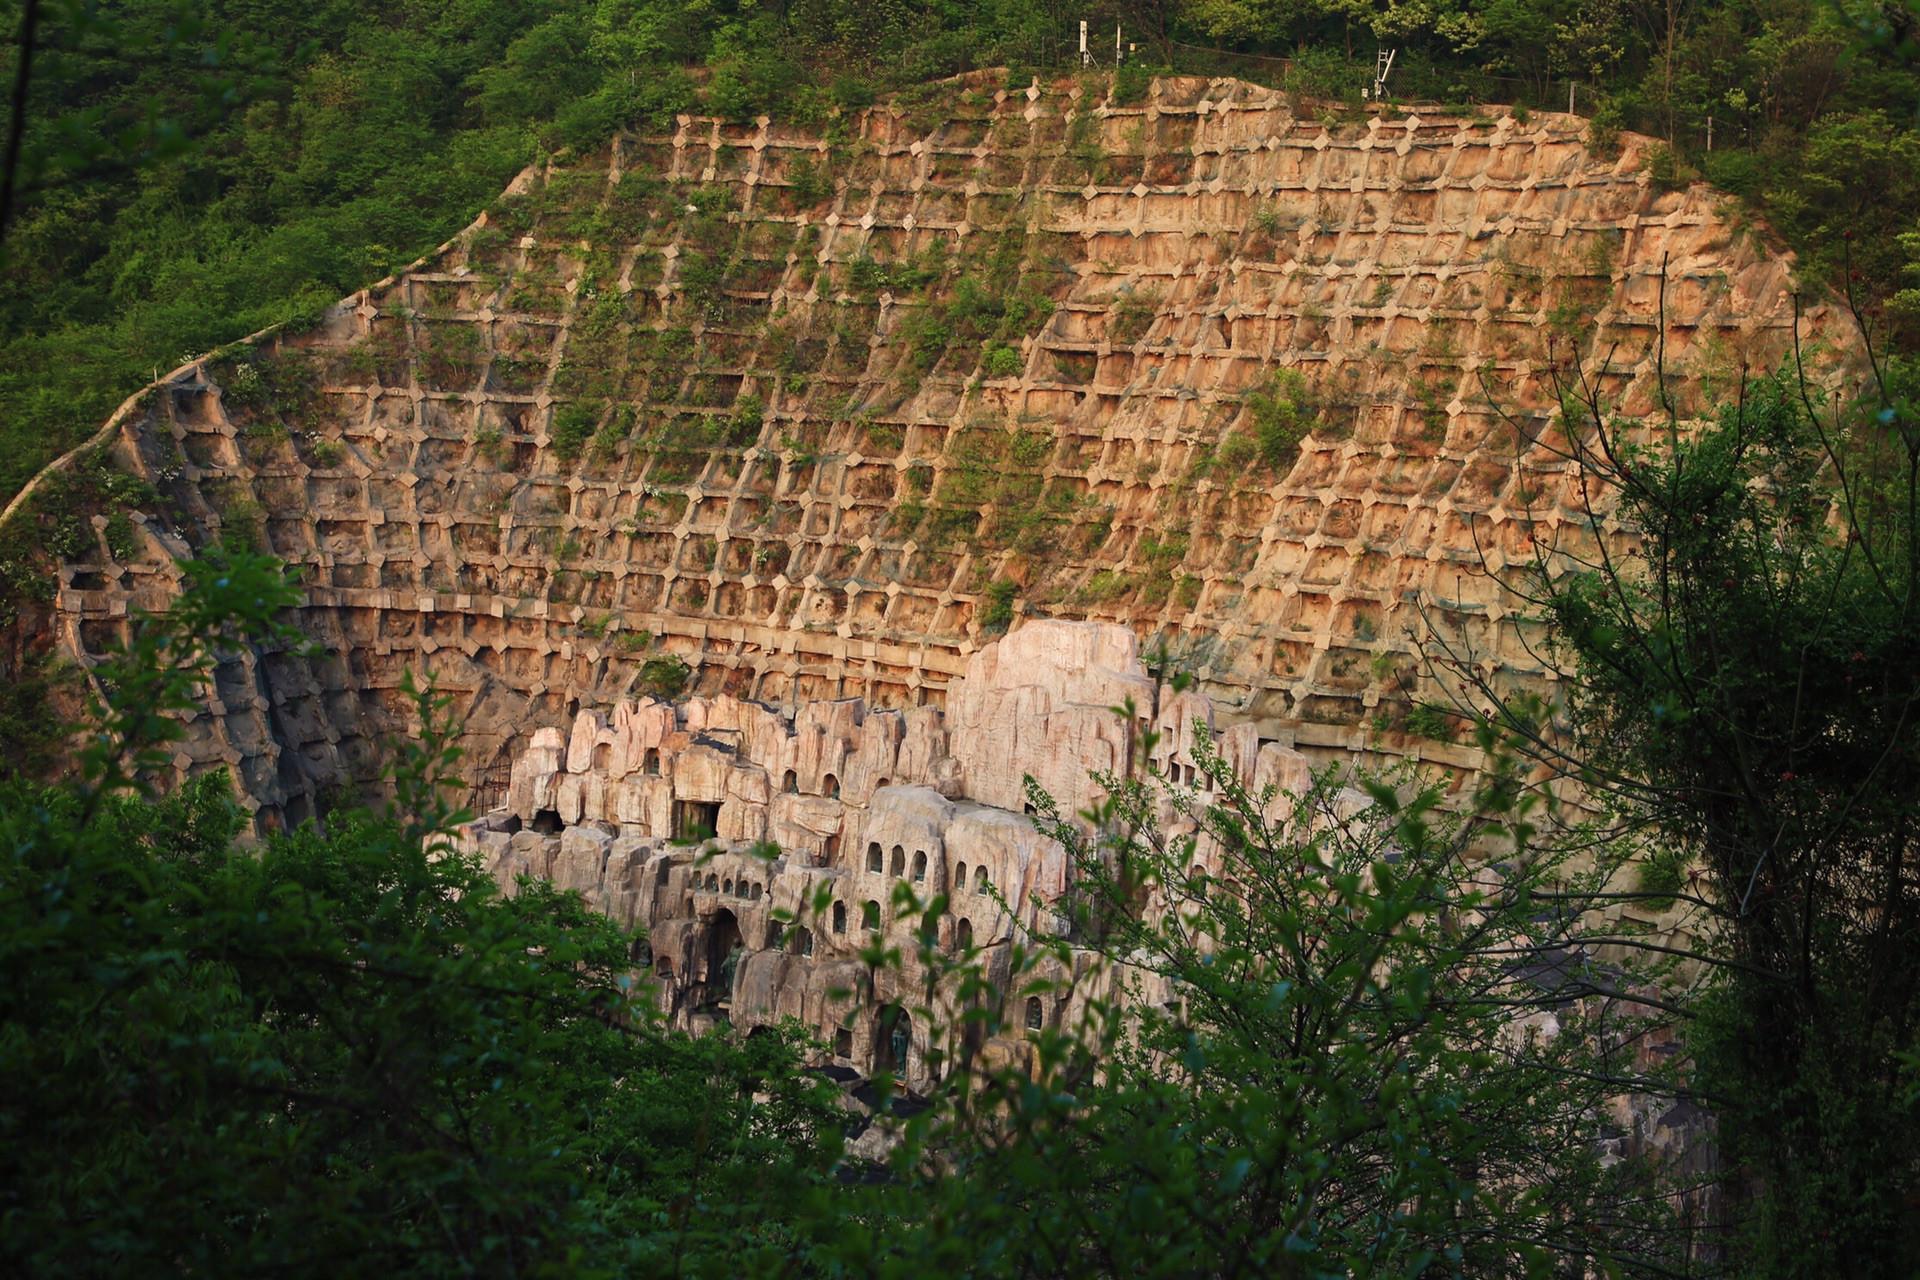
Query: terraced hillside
x: 803, y: 411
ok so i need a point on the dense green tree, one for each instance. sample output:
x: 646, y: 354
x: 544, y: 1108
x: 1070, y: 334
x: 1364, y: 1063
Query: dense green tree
x: 1746, y: 682
x: 1390, y: 1050
x: 345, y: 1052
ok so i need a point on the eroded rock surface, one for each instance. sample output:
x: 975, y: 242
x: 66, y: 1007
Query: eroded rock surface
x: 818, y: 410
x: 697, y: 823
x: 660, y: 815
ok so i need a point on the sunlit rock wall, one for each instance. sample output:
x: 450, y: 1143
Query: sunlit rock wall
x: 817, y: 408
x: 661, y: 817
x: 760, y: 854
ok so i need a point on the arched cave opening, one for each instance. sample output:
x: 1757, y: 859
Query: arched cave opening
x: 893, y: 1040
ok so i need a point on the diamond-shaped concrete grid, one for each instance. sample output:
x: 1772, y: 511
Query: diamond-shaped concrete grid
x: 1400, y: 264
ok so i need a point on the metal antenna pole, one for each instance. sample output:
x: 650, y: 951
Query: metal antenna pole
x: 1382, y: 65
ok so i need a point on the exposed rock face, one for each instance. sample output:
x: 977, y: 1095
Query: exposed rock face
x: 786, y: 404
x: 660, y: 816
x: 1041, y: 703
x: 861, y: 800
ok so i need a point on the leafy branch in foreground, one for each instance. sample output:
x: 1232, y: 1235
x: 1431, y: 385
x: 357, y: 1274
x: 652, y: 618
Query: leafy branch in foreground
x: 345, y: 1050
x: 1306, y: 1035
x: 1741, y: 677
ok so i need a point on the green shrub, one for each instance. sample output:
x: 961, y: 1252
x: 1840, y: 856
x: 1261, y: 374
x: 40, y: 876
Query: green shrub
x: 488, y: 444
x: 1131, y: 80
x: 851, y: 92
x: 1003, y: 361
x: 616, y: 429
x: 1132, y: 315
x: 284, y: 384
x: 1104, y: 585
x: 1029, y: 448
x: 1667, y: 170
x: 1603, y: 132
x: 703, y: 278
x: 122, y: 540
x: 743, y: 426
x: 1236, y: 452
x: 1430, y: 720
x: 996, y: 606
x: 665, y: 677
x: 1663, y: 873
x: 1083, y: 140
x: 573, y: 426
x: 1284, y: 411
x: 811, y: 182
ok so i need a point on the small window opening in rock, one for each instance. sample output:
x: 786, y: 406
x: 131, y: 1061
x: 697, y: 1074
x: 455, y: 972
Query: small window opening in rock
x: 663, y: 965
x: 776, y: 934
x: 874, y: 857
x: 843, y: 1042
x: 839, y: 917
x: 884, y: 782
x: 1036, y: 1016
x: 1027, y: 808
x: 666, y: 870
x: 963, y: 935
x: 832, y: 849
x: 602, y: 757
x: 547, y: 822
x: 919, y: 866
x: 754, y: 893
x: 791, y: 783
x: 653, y: 762
x: 724, y: 949
x: 695, y: 819
x: 831, y: 785
x: 640, y: 952
x: 870, y: 914
x: 899, y: 861
x: 893, y: 1040
x: 960, y: 878
x: 804, y: 943
x: 726, y: 887
x: 980, y: 881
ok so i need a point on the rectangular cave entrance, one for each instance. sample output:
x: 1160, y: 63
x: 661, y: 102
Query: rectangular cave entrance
x: 695, y: 819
